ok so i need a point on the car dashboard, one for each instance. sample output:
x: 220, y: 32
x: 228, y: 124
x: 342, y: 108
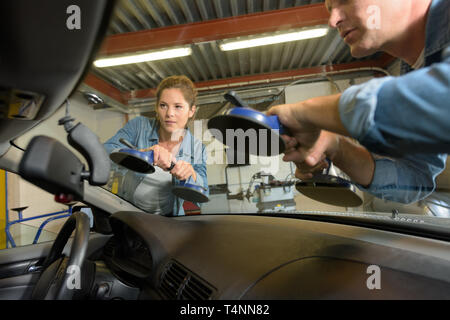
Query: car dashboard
x: 233, y: 257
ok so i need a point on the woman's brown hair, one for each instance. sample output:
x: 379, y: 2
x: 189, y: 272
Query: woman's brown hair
x: 179, y: 82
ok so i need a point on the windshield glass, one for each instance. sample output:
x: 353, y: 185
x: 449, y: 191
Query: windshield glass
x: 141, y: 102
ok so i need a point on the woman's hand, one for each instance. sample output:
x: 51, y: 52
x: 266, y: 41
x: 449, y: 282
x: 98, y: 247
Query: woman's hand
x: 161, y: 156
x: 183, y: 170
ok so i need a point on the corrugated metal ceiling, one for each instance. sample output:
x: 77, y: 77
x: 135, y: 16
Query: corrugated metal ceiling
x: 207, y: 62
x: 136, y: 15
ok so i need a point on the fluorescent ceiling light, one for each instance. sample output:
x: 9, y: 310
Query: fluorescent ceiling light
x: 143, y: 57
x: 280, y: 38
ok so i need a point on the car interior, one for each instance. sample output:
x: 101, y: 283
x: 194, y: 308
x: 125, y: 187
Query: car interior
x: 129, y: 254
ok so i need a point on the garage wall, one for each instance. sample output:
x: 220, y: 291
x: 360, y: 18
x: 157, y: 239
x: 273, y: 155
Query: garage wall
x: 21, y: 193
x: 108, y: 122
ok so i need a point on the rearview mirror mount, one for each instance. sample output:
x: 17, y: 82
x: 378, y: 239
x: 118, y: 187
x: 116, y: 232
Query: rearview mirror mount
x: 48, y: 164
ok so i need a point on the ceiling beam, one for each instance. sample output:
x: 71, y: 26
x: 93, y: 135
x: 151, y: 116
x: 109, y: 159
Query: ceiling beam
x: 212, y: 30
x: 105, y: 88
x: 382, y: 62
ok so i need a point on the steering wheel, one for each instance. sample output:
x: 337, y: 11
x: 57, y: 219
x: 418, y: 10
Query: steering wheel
x: 56, y: 281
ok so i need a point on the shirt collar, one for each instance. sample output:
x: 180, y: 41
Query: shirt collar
x: 185, y: 144
x: 438, y: 31
x: 420, y: 61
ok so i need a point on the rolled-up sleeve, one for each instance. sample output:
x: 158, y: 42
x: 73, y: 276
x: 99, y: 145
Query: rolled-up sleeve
x: 407, y: 119
x: 357, y: 107
x: 405, y: 180
x: 398, y: 115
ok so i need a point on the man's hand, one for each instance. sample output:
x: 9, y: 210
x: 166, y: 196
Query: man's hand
x: 305, y: 119
x: 326, y: 146
x: 312, y: 160
x: 306, y: 172
x: 316, y: 132
x: 301, y: 132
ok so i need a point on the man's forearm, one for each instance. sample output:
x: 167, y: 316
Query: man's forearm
x: 355, y: 160
x: 323, y: 113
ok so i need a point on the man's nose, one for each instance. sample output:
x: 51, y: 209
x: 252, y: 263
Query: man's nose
x: 336, y: 17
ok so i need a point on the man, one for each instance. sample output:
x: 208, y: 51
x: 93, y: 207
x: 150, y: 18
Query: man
x: 406, y: 117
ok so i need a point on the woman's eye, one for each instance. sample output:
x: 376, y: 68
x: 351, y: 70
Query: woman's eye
x: 162, y: 105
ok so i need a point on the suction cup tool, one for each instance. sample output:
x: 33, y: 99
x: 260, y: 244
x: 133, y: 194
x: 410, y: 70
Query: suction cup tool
x: 330, y: 189
x: 247, y: 130
x: 133, y: 159
x: 190, y: 192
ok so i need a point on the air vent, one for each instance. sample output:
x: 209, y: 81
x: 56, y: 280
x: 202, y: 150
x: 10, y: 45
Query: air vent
x: 178, y: 283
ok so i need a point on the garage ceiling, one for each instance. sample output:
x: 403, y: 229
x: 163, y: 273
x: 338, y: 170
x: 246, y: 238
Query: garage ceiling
x: 143, y: 25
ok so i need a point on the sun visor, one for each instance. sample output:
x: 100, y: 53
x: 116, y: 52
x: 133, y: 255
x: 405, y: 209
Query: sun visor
x: 47, y: 46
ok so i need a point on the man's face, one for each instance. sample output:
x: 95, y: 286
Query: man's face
x: 363, y: 24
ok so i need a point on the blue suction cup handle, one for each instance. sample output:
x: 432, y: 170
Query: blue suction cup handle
x: 276, y: 125
x: 190, y: 191
x: 144, y: 155
x: 190, y: 184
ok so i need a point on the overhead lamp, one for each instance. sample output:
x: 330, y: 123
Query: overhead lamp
x: 93, y: 98
x: 143, y: 57
x: 279, y: 38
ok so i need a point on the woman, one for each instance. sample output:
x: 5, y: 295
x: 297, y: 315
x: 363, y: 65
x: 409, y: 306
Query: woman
x: 171, y: 141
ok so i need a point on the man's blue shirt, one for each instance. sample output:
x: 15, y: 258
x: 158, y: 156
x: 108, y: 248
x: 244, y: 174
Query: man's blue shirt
x: 406, y: 118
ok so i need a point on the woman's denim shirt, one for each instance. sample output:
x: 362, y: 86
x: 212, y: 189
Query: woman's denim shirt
x: 143, y: 133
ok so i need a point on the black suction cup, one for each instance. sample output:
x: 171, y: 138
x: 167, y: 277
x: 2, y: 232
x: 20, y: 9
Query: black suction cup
x: 331, y: 190
x: 190, y: 192
x: 247, y: 130
x: 134, y: 160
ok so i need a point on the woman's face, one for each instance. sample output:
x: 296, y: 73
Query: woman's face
x: 173, y: 110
